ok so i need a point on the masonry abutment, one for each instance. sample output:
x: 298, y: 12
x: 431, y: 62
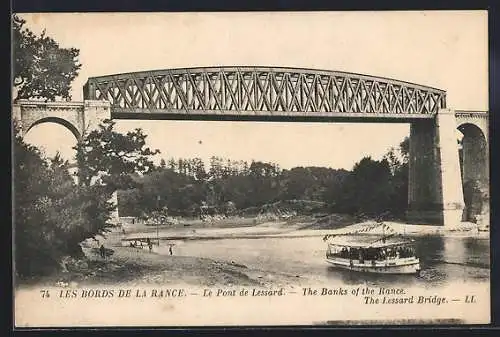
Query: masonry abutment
x: 78, y: 117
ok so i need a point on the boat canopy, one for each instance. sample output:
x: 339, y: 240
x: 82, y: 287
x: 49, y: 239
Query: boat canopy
x: 368, y: 241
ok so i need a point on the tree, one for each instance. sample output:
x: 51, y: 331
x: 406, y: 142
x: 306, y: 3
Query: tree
x: 109, y: 158
x: 42, y: 69
x: 367, y: 189
x: 216, y: 169
x: 404, y: 149
x: 49, y: 213
x: 398, y: 160
x: 297, y: 182
x: 199, y: 169
x: 108, y: 161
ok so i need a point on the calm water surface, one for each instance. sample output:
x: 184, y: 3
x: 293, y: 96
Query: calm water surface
x: 443, y: 259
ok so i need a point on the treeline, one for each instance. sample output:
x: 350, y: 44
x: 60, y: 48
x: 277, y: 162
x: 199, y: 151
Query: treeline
x: 184, y: 185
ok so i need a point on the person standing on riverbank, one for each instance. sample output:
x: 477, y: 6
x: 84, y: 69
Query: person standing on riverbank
x: 170, y: 250
x: 102, y: 251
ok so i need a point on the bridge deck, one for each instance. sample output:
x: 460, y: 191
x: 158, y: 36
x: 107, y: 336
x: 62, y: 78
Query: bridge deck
x: 222, y: 115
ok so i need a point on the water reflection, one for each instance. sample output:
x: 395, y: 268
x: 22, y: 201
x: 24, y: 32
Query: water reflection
x: 443, y: 259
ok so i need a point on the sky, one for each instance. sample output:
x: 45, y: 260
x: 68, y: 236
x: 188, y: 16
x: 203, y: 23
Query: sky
x: 447, y: 50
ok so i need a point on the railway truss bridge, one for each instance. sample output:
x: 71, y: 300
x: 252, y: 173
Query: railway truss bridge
x: 439, y: 166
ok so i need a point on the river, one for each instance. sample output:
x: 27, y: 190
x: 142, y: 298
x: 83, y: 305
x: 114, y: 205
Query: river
x: 443, y: 259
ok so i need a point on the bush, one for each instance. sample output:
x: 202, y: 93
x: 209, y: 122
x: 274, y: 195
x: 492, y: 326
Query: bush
x: 51, y: 214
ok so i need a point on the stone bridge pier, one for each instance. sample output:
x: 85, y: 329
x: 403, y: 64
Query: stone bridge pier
x: 440, y: 169
x: 435, y: 186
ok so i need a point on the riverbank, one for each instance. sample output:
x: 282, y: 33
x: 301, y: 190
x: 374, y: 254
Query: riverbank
x: 126, y: 266
x: 416, y: 230
x: 301, y: 227
x: 136, y: 266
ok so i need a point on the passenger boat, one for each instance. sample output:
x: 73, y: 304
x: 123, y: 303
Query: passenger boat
x: 373, y: 254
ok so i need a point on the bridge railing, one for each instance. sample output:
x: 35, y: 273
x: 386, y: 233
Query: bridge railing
x: 256, y: 89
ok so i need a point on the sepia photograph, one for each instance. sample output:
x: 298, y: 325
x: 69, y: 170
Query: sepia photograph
x: 250, y: 168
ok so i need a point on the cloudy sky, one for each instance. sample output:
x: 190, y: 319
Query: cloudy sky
x: 447, y: 50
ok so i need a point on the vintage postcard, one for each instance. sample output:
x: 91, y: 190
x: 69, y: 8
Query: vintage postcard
x: 250, y: 168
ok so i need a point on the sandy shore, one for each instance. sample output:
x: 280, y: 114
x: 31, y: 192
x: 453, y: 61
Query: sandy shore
x: 135, y: 266
x: 128, y: 266
x: 292, y: 229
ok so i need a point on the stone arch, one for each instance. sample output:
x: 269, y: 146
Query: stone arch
x: 67, y: 124
x: 474, y: 152
x: 475, y: 169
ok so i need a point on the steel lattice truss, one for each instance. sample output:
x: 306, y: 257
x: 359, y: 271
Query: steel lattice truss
x: 264, y: 91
